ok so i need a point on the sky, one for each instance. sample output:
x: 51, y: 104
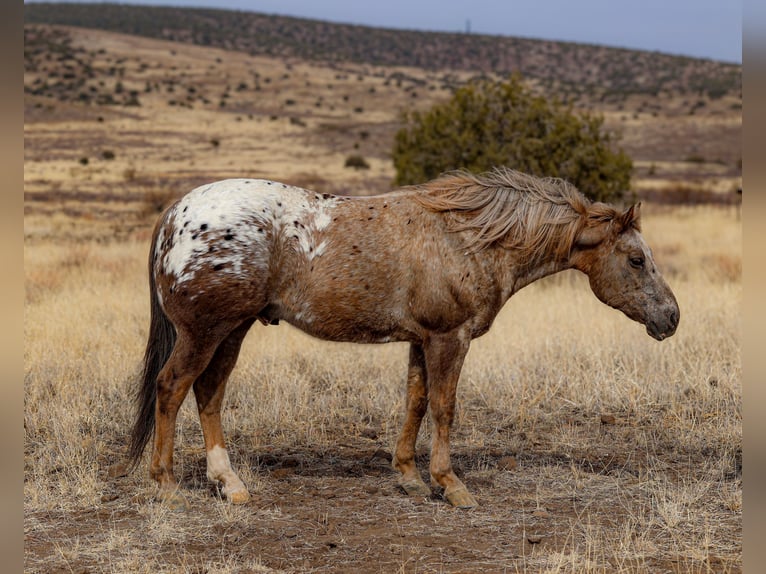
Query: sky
x: 699, y: 28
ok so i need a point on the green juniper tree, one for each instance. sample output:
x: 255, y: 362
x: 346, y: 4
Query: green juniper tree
x: 487, y: 124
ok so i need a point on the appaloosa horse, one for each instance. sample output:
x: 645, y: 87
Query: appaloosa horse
x: 431, y: 265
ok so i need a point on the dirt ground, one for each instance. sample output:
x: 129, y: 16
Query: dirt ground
x: 337, y: 508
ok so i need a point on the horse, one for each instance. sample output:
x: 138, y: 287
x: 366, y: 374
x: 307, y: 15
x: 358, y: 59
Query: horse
x: 430, y: 265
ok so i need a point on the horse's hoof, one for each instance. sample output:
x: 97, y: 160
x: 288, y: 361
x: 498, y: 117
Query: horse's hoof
x: 416, y: 488
x: 238, y: 497
x: 460, y: 498
x: 174, y: 501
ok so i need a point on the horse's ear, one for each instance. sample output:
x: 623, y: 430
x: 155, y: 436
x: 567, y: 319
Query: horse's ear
x: 598, y: 225
x: 590, y: 236
x: 631, y: 217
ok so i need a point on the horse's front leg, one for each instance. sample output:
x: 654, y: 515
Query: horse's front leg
x: 444, y: 355
x: 417, y: 404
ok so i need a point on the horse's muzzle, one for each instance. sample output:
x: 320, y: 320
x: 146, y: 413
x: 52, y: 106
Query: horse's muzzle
x: 665, y: 326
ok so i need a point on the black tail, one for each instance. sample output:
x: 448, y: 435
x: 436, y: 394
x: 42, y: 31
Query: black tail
x: 162, y: 337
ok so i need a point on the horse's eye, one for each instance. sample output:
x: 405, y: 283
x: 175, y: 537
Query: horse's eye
x: 637, y: 262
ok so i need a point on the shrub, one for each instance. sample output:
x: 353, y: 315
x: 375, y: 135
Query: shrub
x: 108, y: 154
x: 357, y: 162
x: 488, y: 124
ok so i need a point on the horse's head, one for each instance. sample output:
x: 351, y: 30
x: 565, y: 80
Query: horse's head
x: 621, y: 269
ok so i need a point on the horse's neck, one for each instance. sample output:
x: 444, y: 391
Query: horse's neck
x: 516, y: 275
x: 541, y: 271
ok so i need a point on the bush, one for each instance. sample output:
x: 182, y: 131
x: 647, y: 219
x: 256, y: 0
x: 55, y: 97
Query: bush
x: 488, y: 124
x: 357, y: 162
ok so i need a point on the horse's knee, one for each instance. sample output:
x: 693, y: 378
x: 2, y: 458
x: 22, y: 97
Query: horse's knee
x: 442, y: 418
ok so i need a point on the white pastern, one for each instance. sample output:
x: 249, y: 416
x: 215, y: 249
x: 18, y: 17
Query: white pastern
x: 219, y: 469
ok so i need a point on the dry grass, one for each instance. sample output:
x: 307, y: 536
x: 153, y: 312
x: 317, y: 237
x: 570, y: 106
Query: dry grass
x: 656, y: 486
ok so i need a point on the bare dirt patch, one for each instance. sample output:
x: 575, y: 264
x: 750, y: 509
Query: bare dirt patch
x: 337, y: 508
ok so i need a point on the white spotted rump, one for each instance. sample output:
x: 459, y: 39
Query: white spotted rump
x: 228, y: 226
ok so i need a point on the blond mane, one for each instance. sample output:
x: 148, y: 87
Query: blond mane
x: 539, y: 217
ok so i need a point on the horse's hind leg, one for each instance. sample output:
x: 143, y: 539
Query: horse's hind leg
x: 417, y: 403
x: 187, y: 361
x: 209, y: 390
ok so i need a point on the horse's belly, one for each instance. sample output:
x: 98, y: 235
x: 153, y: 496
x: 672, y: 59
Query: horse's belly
x: 359, y: 329
x: 347, y: 335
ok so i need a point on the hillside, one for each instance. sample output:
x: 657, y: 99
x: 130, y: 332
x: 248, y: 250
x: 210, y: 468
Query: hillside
x: 578, y: 72
x: 117, y: 124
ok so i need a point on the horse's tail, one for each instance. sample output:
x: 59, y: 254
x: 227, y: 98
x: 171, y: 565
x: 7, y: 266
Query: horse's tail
x: 162, y: 337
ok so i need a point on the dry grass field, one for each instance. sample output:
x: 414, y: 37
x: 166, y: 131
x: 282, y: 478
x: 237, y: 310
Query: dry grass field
x: 590, y: 446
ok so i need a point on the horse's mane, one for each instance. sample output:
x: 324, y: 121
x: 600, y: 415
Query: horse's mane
x: 539, y: 217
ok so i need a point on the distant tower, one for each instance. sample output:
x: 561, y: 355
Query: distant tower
x: 468, y: 26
